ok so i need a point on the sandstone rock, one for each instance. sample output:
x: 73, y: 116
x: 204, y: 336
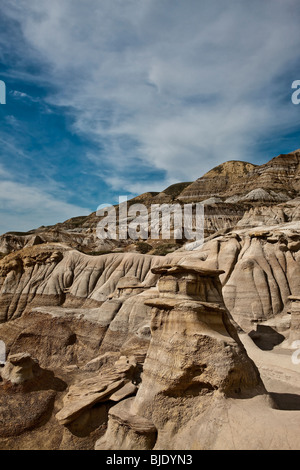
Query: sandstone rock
x: 194, y: 353
x: 77, y: 313
x: 257, y: 281
x: 124, y: 392
x: 20, y: 368
x: 128, y: 332
x: 85, y: 396
x: 87, y: 393
x: 55, y: 339
x: 95, y: 364
x: 279, y: 175
x: 217, y: 181
x: 126, y: 430
x: 294, y: 334
x: 263, y: 215
x: 22, y: 412
x: 55, y: 277
x: 129, y: 285
x: 261, y: 195
x: 259, y: 274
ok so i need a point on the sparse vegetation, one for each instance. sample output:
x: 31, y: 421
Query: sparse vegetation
x: 175, y: 189
x: 97, y: 253
x: 165, y: 249
x: 143, y: 247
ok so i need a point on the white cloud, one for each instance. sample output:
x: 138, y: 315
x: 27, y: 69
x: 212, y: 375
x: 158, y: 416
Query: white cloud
x: 19, y: 94
x: 3, y: 172
x: 23, y: 96
x: 24, y: 208
x: 133, y: 188
x: 180, y: 86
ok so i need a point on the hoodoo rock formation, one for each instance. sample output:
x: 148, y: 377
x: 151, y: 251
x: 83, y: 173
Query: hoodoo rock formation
x: 145, y: 344
x: 194, y: 358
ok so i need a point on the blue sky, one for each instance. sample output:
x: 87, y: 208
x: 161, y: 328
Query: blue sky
x: 114, y: 97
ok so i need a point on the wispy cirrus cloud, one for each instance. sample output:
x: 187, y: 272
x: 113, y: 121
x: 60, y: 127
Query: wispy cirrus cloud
x: 164, y: 90
x: 24, y: 207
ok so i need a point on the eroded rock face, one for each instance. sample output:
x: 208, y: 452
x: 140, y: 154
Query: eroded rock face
x: 43, y: 276
x: 228, y: 191
x: 194, y: 354
x: 77, y: 314
x: 27, y: 396
x: 281, y: 175
x: 262, y: 268
x: 68, y: 308
x: 23, y: 412
x: 294, y: 333
x: 217, y: 181
x: 114, y: 384
x: 20, y: 368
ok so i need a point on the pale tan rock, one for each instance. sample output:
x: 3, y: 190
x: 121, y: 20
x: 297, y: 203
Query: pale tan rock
x: 194, y: 355
x: 294, y: 334
x: 20, y: 368
x: 103, y: 360
x: 259, y: 276
x: 85, y: 394
x: 45, y: 276
x: 126, y: 430
x: 262, y: 215
x: 279, y: 175
x: 74, y: 310
x: 124, y: 392
x: 217, y: 181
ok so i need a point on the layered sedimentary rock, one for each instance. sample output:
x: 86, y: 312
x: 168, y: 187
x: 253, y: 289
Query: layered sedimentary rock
x: 55, y: 275
x: 67, y: 305
x: 294, y: 333
x: 228, y: 192
x: 113, y: 384
x: 20, y: 368
x: 217, y: 181
x: 82, y: 238
x: 77, y: 314
x: 194, y: 356
x: 280, y: 175
x: 67, y: 308
x: 261, y: 270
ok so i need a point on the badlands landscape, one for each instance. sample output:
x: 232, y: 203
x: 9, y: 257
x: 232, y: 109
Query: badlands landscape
x: 145, y: 345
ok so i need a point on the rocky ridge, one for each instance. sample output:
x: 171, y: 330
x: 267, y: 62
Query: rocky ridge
x: 143, y: 351
x: 229, y: 192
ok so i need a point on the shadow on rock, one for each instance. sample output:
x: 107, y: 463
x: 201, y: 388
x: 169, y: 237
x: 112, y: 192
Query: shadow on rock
x: 266, y: 338
x: 286, y: 401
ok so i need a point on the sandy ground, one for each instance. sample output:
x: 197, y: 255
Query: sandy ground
x: 280, y: 376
